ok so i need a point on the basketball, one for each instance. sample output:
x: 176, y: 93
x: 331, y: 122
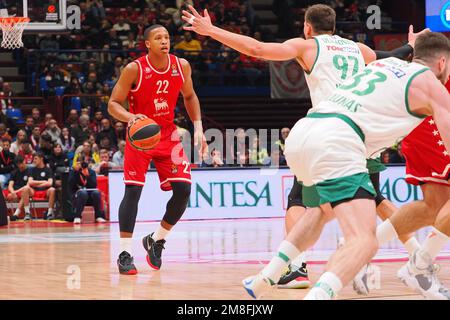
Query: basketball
x: 144, y: 134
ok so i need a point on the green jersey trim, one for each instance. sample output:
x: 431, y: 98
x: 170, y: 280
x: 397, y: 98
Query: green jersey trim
x: 407, y: 91
x: 317, y: 57
x: 343, y: 117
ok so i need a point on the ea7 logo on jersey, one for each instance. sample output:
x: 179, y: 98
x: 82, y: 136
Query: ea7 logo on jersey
x: 160, y: 105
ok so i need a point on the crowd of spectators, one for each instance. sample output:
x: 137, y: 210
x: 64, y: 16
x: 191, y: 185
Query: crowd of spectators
x: 108, y: 33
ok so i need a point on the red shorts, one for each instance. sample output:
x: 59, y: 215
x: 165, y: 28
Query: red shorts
x: 169, y: 159
x: 40, y: 194
x: 6, y: 194
x: 427, y: 160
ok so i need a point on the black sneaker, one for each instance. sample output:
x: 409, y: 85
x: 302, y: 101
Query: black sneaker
x: 49, y: 216
x: 154, y: 250
x: 13, y: 218
x: 295, y: 278
x: 125, y: 264
x: 27, y: 217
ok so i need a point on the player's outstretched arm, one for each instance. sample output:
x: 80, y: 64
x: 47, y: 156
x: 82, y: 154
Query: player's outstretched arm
x: 120, y: 92
x: 270, y: 51
x: 192, y: 105
x: 402, y: 53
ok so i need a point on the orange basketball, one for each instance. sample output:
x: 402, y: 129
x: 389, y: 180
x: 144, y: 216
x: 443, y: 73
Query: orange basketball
x: 144, y: 134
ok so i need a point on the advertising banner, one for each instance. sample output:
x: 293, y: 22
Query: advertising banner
x: 239, y: 193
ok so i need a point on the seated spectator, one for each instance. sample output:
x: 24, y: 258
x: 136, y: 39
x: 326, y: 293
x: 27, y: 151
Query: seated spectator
x: 17, y: 184
x: 118, y: 157
x: 122, y: 28
x: 106, y: 144
x: 41, y: 184
x: 104, y: 165
x: 27, y: 153
x: 216, y: 159
x: 5, y: 97
x: 46, y: 147
x: 277, y: 159
x: 130, y: 43
x: 44, y: 124
x: 120, y: 130
x: 6, y: 163
x: 82, y: 131
x: 284, y: 134
x: 83, y: 184
x: 67, y: 142
x: 258, y: 156
x: 72, y: 119
x: 16, y: 146
x: 36, y: 114
x: 29, y: 125
x: 4, y: 133
x: 190, y: 46
x: 36, y: 137
x: 53, y: 130
x: 59, y: 163
x: 107, y: 130
x: 96, y: 124
x: 89, y: 156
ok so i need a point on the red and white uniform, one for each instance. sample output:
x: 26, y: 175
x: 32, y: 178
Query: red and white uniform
x: 155, y: 96
x: 427, y: 160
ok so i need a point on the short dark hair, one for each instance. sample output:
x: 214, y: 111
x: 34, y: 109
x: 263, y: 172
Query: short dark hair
x: 19, y: 159
x: 39, y: 154
x: 430, y: 45
x: 322, y: 18
x: 150, y: 29
x: 4, y: 139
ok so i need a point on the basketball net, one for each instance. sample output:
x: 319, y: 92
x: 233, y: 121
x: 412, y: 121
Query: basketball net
x: 12, y: 28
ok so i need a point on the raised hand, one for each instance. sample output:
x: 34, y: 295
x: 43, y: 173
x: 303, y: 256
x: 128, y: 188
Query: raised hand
x: 413, y: 36
x: 199, y: 24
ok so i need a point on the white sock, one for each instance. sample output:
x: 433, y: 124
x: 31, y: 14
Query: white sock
x: 328, y: 283
x: 412, y: 245
x: 27, y: 209
x: 301, y: 258
x: 125, y: 244
x: 386, y: 232
x: 50, y: 210
x: 17, y: 212
x: 160, y: 233
x: 286, y: 252
x: 434, y: 243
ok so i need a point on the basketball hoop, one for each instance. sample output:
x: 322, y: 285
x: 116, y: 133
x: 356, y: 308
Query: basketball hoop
x: 12, y: 28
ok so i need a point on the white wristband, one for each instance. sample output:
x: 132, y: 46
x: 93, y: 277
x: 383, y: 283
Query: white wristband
x: 198, y: 126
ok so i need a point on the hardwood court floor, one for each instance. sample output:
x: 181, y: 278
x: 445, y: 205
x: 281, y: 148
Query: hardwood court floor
x: 202, y: 260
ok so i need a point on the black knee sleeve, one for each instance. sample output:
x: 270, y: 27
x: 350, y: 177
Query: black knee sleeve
x: 128, y: 208
x: 375, y: 178
x: 178, y: 203
x: 295, y: 196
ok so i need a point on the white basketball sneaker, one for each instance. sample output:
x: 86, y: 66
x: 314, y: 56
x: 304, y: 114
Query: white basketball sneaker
x: 360, y: 285
x: 257, y: 286
x: 424, y: 281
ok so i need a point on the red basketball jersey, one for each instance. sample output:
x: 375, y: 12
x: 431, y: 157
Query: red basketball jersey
x: 156, y: 93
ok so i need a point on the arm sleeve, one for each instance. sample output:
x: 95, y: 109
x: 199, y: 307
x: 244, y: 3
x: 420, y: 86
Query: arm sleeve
x: 402, y: 53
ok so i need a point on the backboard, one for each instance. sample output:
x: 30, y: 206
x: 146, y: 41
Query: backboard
x: 45, y: 15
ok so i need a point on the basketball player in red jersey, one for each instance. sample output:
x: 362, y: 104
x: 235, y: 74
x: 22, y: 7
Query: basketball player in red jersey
x: 427, y: 165
x: 152, y: 85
